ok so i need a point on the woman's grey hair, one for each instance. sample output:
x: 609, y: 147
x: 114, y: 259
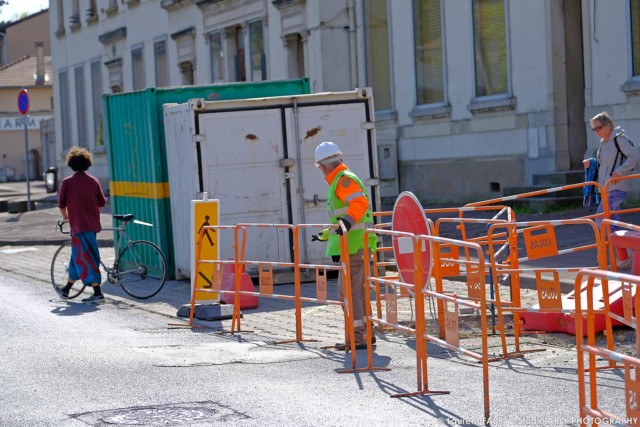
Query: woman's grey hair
x: 604, y: 118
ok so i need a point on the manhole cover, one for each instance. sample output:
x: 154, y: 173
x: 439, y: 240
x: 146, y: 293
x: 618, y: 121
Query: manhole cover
x: 191, y: 414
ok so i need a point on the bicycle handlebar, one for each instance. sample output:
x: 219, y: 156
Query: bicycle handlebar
x: 60, y: 225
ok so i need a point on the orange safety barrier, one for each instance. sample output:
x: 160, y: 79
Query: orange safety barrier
x: 605, y: 200
x: 626, y: 236
x: 450, y: 264
x: 265, y: 271
x: 540, y: 242
x: 266, y: 276
x: 216, y: 280
x: 449, y: 267
x: 547, y: 191
x: 631, y: 364
x: 421, y: 292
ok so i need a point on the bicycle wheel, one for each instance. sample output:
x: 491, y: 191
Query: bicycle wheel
x: 60, y: 270
x: 142, y: 269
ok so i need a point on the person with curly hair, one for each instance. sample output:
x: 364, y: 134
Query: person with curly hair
x: 80, y: 199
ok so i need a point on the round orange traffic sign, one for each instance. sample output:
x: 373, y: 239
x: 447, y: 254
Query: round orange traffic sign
x: 409, y: 217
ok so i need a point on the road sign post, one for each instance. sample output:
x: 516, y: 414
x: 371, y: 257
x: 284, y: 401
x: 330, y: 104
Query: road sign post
x: 23, y: 107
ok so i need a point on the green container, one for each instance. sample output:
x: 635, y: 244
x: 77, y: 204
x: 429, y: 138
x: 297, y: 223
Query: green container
x: 139, y: 179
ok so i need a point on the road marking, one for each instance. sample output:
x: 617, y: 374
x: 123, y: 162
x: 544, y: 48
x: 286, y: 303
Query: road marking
x: 18, y: 250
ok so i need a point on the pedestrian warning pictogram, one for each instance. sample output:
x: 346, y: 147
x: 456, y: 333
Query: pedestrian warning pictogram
x: 205, y: 213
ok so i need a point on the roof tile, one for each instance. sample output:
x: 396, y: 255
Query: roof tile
x: 22, y: 72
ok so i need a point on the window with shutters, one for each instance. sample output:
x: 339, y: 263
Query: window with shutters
x: 429, y: 53
x: 81, y: 106
x: 634, y: 8
x: 161, y: 64
x: 258, y: 57
x: 217, y: 57
x: 96, y: 101
x: 137, y: 67
x: 490, y: 42
x: 376, y: 30
x: 65, y: 105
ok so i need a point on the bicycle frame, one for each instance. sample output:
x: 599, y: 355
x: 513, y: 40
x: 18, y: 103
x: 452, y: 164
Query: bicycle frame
x: 122, y: 236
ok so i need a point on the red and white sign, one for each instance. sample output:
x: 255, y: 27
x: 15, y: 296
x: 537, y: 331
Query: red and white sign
x: 409, y: 217
x: 23, y: 102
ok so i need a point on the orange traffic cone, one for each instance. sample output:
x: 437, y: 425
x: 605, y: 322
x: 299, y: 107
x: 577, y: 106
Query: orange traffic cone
x: 229, y: 284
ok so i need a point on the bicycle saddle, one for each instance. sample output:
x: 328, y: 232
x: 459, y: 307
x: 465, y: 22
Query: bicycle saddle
x: 125, y: 217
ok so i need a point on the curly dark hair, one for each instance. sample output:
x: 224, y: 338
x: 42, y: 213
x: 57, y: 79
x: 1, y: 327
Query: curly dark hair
x: 79, y: 159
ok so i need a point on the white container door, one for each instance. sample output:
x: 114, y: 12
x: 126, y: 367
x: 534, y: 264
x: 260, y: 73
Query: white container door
x: 240, y: 159
x: 345, y: 125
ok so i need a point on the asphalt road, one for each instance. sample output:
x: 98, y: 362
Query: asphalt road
x: 63, y: 363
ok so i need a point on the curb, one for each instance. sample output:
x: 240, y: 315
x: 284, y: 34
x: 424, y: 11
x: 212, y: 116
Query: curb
x: 102, y: 243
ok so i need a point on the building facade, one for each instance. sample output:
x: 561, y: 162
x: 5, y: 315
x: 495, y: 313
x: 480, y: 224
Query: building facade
x: 472, y: 96
x: 25, y: 63
x: 18, y: 38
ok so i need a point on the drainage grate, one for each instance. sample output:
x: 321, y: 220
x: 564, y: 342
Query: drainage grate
x: 178, y: 414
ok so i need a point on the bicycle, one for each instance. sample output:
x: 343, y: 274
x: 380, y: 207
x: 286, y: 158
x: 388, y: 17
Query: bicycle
x: 139, y: 268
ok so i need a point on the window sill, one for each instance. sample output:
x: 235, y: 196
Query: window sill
x: 493, y: 105
x: 61, y: 32
x: 92, y: 19
x: 75, y: 27
x: 100, y: 150
x: 631, y: 88
x: 386, y: 115
x: 133, y: 3
x: 173, y: 5
x: 113, y: 10
x: 431, y: 112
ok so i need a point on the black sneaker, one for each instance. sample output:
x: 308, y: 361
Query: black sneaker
x: 94, y: 299
x: 62, y: 294
x: 360, y: 345
x: 340, y: 346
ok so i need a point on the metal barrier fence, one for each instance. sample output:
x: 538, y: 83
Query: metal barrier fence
x: 540, y: 242
x: 587, y: 314
x: 421, y: 291
x: 449, y: 265
x: 501, y: 240
x: 265, y: 269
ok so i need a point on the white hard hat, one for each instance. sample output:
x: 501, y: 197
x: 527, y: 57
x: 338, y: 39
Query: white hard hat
x: 327, y: 150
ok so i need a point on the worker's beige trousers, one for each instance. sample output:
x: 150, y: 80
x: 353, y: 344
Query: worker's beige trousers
x: 356, y: 262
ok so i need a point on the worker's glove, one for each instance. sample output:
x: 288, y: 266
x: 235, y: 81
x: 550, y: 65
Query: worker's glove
x: 335, y: 258
x: 346, y: 223
x: 322, y: 236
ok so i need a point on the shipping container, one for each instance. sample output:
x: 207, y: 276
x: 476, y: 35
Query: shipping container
x: 257, y: 157
x: 139, y: 180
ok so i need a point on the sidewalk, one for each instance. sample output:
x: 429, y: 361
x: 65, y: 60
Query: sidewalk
x: 29, y: 240
x: 37, y: 227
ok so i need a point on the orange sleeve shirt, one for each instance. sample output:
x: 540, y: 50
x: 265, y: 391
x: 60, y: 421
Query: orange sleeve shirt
x: 350, y: 193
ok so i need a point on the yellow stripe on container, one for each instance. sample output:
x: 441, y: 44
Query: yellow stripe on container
x: 146, y: 190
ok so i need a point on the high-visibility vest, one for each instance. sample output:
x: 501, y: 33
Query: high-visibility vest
x: 337, y: 209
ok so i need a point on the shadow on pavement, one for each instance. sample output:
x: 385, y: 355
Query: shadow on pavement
x: 73, y: 308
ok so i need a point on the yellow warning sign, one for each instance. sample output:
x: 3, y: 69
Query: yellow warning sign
x: 204, y: 214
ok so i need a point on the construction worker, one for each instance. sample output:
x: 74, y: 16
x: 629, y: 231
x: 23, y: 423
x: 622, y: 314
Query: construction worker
x: 347, y: 205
